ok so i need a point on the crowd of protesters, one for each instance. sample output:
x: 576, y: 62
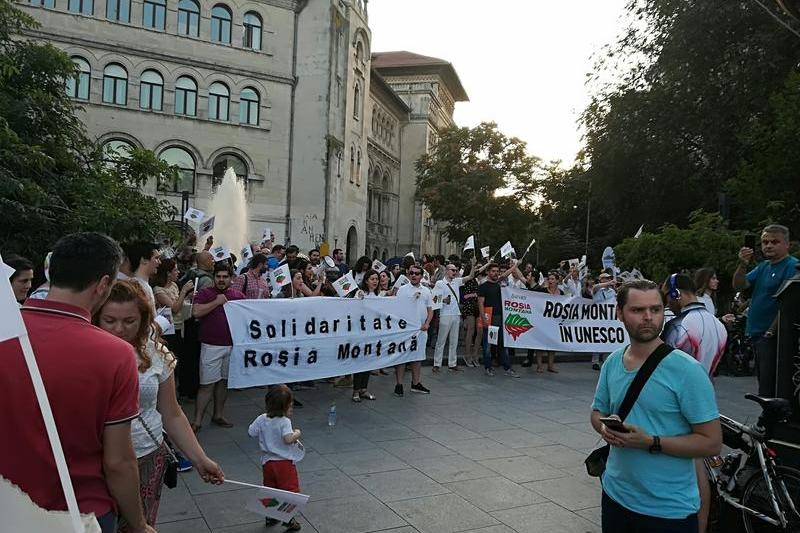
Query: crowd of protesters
x: 163, y: 334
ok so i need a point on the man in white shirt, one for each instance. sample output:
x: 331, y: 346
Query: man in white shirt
x: 144, y: 259
x: 449, y: 316
x: 425, y: 301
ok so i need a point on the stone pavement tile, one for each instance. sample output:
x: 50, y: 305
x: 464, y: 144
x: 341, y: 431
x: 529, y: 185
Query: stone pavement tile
x: 405, y: 529
x: 196, y: 525
x: 579, y: 473
x: 445, y: 431
x: 493, y: 529
x: 328, y: 484
x: 517, y: 438
x: 242, y: 470
x: 225, y: 509
x: 556, y: 455
x: 568, y: 492
x: 494, y: 493
x: 400, y: 485
x: 313, y: 462
x: 177, y: 504
x: 485, y: 448
x: 337, y: 440
x: 523, y: 469
x: 366, y: 461
x: 545, y: 518
x: 592, y: 514
x: 412, y: 449
x: 566, y: 416
x: 447, y: 513
x: 584, y: 426
x: 449, y: 468
x: 482, y: 423
x: 259, y: 527
x: 395, y: 431
x: 577, y: 440
x: 353, y: 514
x: 536, y: 424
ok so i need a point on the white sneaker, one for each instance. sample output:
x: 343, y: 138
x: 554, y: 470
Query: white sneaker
x: 510, y: 373
x: 490, y: 372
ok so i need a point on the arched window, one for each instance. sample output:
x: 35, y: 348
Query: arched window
x: 78, y: 86
x: 225, y: 161
x: 188, y: 18
x: 118, y: 10
x: 44, y: 3
x: 384, y: 255
x: 248, y: 106
x: 352, y: 164
x: 358, y: 169
x: 221, y: 24
x: 82, y: 7
x: 151, y: 91
x: 155, y: 14
x: 219, y: 100
x: 359, y: 52
x: 115, y: 150
x: 115, y: 84
x: 356, y: 100
x: 182, y: 159
x: 252, y: 31
x: 186, y: 96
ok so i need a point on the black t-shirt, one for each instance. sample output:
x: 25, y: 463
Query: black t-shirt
x: 491, y: 298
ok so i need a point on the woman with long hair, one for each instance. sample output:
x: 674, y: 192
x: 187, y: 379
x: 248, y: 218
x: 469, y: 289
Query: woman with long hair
x: 369, y: 286
x: 167, y: 294
x: 472, y: 323
x: 385, y: 284
x: 128, y: 314
x: 706, y: 284
x: 362, y: 265
x: 551, y: 287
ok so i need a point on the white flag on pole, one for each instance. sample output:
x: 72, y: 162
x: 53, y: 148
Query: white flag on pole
x: 345, y: 285
x: 220, y: 252
x: 470, y: 244
x: 267, y: 235
x: 485, y: 251
x: 194, y: 216
x: 608, y: 257
x: 207, y: 226
x: 411, y: 255
x: 401, y: 280
x: 281, y: 276
x: 533, y: 241
x: 494, y: 333
x: 377, y: 266
x: 275, y: 503
x: 506, y: 250
x: 245, y: 255
x: 639, y: 232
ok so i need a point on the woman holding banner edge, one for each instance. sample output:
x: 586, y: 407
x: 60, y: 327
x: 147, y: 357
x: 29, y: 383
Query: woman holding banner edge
x: 369, y: 285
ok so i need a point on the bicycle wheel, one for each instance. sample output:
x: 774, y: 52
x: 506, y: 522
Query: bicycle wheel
x: 756, y: 497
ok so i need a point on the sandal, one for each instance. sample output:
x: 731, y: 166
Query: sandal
x: 356, y: 398
x: 221, y: 422
x: 367, y: 396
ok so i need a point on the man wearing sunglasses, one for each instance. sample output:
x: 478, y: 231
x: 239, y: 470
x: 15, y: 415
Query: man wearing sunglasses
x: 449, y: 316
x: 425, y: 302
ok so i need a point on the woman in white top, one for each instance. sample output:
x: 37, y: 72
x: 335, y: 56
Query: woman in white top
x: 127, y: 314
x: 385, y: 284
x: 360, y: 381
x: 706, y: 283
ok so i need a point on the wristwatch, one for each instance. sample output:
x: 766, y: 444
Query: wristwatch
x: 656, y: 446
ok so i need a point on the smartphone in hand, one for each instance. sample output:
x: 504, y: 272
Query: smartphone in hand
x: 750, y: 241
x: 614, y: 423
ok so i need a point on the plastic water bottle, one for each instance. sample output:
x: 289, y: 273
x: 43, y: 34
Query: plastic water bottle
x: 332, y: 415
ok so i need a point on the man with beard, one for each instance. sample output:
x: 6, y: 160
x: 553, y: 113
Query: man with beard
x: 649, y: 483
x: 216, y: 345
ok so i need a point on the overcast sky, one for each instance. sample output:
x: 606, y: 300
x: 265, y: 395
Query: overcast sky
x: 523, y: 63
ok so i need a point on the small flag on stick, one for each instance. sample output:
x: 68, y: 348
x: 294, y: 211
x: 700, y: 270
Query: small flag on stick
x: 470, y: 244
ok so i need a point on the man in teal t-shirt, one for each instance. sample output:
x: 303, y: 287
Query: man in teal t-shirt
x: 765, y: 279
x: 650, y: 482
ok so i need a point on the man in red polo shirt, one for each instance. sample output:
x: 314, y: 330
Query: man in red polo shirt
x: 92, y: 383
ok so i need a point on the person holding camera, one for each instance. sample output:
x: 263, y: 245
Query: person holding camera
x: 765, y: 280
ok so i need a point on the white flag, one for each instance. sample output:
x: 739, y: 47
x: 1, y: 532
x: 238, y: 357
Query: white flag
x: 533, y: 241
x: 608, y: 257
x: 274, y: 503
x: 485, y: 251
x: 345, y: 285
x: 574, y: 262
x: 506, y: 250
x: 377, y: 266
x: 194, y: 216
x: 583, y: 261
x: 541, y: 279
x: 220, y: 252
x: 401, y: 280
x: 639, y: 232
x: 438, y: 299
x: 281, y: 276
x: 245, y: 255
x: 470, y: 245
x: 494, y: 333
x: 411, y: 255
x: 207, y: 226
x: 267, y: 235
x: 11, y: 325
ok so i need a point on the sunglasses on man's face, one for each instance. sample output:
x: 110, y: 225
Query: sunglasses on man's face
x: 415, y: 273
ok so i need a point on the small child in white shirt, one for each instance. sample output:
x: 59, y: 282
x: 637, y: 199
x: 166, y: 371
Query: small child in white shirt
x: 281, y: 445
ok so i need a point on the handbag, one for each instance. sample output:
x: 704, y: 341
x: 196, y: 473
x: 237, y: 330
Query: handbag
x: 171, y: 471
x: 460, y: 305
x: 596, y: 461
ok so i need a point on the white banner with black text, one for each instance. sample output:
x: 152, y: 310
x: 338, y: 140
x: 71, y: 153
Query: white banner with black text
x: 560, y: 323
x: 301, y: 339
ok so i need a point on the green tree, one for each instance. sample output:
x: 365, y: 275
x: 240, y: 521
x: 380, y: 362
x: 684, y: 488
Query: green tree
x: 480, y: 182
x: 54, y: 180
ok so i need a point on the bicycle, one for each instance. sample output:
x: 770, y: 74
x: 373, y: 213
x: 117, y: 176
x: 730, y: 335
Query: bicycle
x: 739, y: 355
x: 750, y: 479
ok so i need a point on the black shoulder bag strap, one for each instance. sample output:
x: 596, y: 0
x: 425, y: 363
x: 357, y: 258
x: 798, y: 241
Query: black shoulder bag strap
x: 596, y: 461
x: 644, y: 373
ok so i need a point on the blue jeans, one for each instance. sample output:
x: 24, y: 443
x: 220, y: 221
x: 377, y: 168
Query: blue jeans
x: 766, y: 349
x: 108, y: 523
x: 619, y: 519
x: 505, y: 360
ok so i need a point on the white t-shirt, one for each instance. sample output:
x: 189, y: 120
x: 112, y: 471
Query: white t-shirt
x: 449, y: 309
x: 149, y: 382
x: 708, y: 302
x: 423, y: 296
x: 148, y: 290
x: 270, y: 432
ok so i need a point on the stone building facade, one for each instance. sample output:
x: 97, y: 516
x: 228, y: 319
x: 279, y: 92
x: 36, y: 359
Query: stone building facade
x: 323, y: 132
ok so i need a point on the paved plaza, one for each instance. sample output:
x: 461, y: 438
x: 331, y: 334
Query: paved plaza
x: 480, y: 454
